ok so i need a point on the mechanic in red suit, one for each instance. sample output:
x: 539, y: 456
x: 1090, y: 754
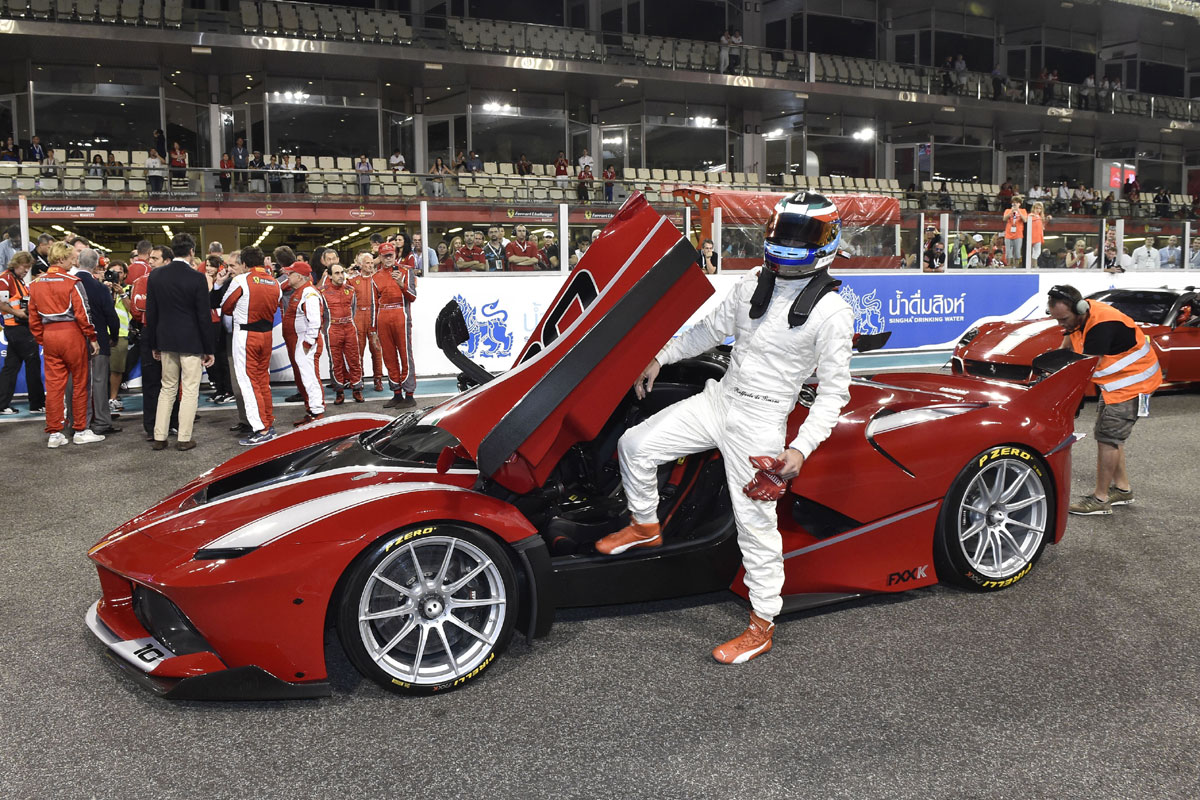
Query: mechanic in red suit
x: 344, y: 362
x: 367, y: 333
x: 390, y: 294
x: 252, y: 300
x: 59, y: 321
x: 303, y: 326
x: 787, y: 321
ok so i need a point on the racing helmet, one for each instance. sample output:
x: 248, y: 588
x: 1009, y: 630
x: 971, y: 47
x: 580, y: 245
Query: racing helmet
x: 802, y: 235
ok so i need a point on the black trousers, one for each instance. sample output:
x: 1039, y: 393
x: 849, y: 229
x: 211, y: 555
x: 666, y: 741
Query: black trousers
x: 22, y: 351
x: 218, y: 374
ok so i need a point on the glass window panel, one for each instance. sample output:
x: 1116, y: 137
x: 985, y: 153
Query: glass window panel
x: 8, y: 121
x: 966, y: 164
x: 1153, y: 174
x: 504, y: 137
x: 681, y: 147
x: 67, y: 122
x: 323, y: 130
x: 776, y: 156
x: 843, y: 156
x: 400, y: 137
x: 187, y: 123
x: 1069, y: 167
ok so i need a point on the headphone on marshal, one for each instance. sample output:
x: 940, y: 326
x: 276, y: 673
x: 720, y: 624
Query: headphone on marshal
x: 1071, y: 296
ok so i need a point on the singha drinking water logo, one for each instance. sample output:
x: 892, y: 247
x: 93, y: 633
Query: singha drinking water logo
x: 489, y: 332
x: 868, y: 311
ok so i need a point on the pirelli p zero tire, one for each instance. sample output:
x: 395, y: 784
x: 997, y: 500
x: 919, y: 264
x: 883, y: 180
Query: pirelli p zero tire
x: 428, y: 609
x: 996, y: 520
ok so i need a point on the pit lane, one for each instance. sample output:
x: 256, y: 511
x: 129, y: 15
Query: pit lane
x: 1083, y: 680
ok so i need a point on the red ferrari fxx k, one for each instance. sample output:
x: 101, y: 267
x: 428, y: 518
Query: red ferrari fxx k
x: 1170, y: 318
x: 428, y: 539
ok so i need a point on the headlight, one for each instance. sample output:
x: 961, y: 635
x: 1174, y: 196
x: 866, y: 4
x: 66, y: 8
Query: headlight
x: 967, y: 337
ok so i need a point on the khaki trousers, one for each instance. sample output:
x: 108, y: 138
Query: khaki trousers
x: 177, y: 368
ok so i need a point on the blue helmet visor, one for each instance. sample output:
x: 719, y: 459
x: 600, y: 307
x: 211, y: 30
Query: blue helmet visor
x: 794, y: 230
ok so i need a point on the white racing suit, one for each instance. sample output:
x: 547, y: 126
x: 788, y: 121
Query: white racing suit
x: 746, y: 413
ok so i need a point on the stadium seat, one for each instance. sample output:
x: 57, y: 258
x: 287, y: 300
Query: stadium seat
x: 152, y: 12
x: 270, y: 18
x: 310, y: 26
x: 39, y: 9
x: 289, y: 22
x: 250, y: 20
x: 173, y: 13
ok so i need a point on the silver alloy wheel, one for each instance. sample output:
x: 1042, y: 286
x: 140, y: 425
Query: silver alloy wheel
x: 1002, y: 518
x: 432, y: 610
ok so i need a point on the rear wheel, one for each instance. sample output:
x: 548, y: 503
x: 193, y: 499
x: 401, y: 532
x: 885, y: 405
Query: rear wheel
x: 996, y: 520
x: 428, y: 609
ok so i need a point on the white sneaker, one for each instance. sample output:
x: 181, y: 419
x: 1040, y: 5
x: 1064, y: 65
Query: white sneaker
x: 116, y: 405
x: 8, y: 412
x: 87, y: 437
x: 56, y: 440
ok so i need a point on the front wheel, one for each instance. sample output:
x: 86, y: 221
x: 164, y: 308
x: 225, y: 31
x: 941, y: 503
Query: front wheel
x: 428, y: 609
x: 996, y: 519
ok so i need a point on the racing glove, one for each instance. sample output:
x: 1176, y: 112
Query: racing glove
x: 766, y: 483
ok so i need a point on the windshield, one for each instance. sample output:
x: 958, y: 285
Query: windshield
x: 1141, y: 306
x: 404, y: 439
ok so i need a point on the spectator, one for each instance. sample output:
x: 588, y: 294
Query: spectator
x: 241, y: 162
x: 469, y: 257
x: 584, y: 186
x: 437, y: 181
x: 1037, y: 230
x: 1194, y: 256
x: 396, y: 161
x: 1104, y: 95
x: 1106, y: 206
x: 179, y: 163
x: 255, y: 168
x: 112, y: 167
x: 460, y: 163
x: 444, y: 262
x: 1162, y: 203
x: 35, y: 152
x: 1034, y: 194
x: 960, y: 73
x: 1006, y: 193
x: 948, y: 75
x: 521, y: 254
x: 549, y: 252
x: 1077, y: 258
x: 586, y: 160
x: 274, y: 176
x: 1086, y: 91
x: 610, y: 177
x: 998, y: 83
x: 50, y: 165
x: 707, y: 257
x: 1146, y: 257
x: 424, y: 258
x: 723, y: 51
x: 562, y: 170
x: 41, y: 257
x: 474, y: 163
x: 1062, y: 199
x: 226, y: 173
x: 300, y: 176
x: 1077, y: 200
x: 1090, y: 199
x: 1014, y: 233
x: 22, y: 348
x: 1112, y: 262
x: 218, y: 377
x: 12, y: 244
x: 159, y: 141
x: 97, y: 168
x: 524, y: 168
x: 1171, y: 256
x: 944, y: 200
x: 1051, y: 84
x: 59, y: 321
x: 10, y: 151
x: 735, y: 50
x: 494, y: 249
x: 286, y: 176
x: 364, y: 170
x: 978, y: 256
x: 960, y: 253
x: 103, y: 312
x: 156, y: 172
x: 996, y: 254
x: 179, y: 336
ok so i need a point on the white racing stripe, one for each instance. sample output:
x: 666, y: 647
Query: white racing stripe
x: 1021, y: 335
x: 279, y: 524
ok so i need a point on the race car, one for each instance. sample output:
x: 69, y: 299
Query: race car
x: 427, y: 540
x: 1169, y: 317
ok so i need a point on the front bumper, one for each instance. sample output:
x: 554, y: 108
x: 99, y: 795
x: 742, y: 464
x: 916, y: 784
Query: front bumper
x: 193, y: 676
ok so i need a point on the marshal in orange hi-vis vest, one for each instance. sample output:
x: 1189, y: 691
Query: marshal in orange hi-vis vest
x: 1123, y: 375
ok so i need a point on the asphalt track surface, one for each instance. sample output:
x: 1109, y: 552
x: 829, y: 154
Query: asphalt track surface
x: 1081, y: 681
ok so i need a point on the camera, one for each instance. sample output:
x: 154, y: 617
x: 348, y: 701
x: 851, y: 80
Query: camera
x: 112, y: 276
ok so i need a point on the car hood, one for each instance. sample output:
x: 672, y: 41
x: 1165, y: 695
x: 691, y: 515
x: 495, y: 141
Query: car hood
x: 635, y: 287
x: 1019, y: 341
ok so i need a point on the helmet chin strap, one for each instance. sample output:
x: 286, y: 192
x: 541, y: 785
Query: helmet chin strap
x: 762, y: 292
